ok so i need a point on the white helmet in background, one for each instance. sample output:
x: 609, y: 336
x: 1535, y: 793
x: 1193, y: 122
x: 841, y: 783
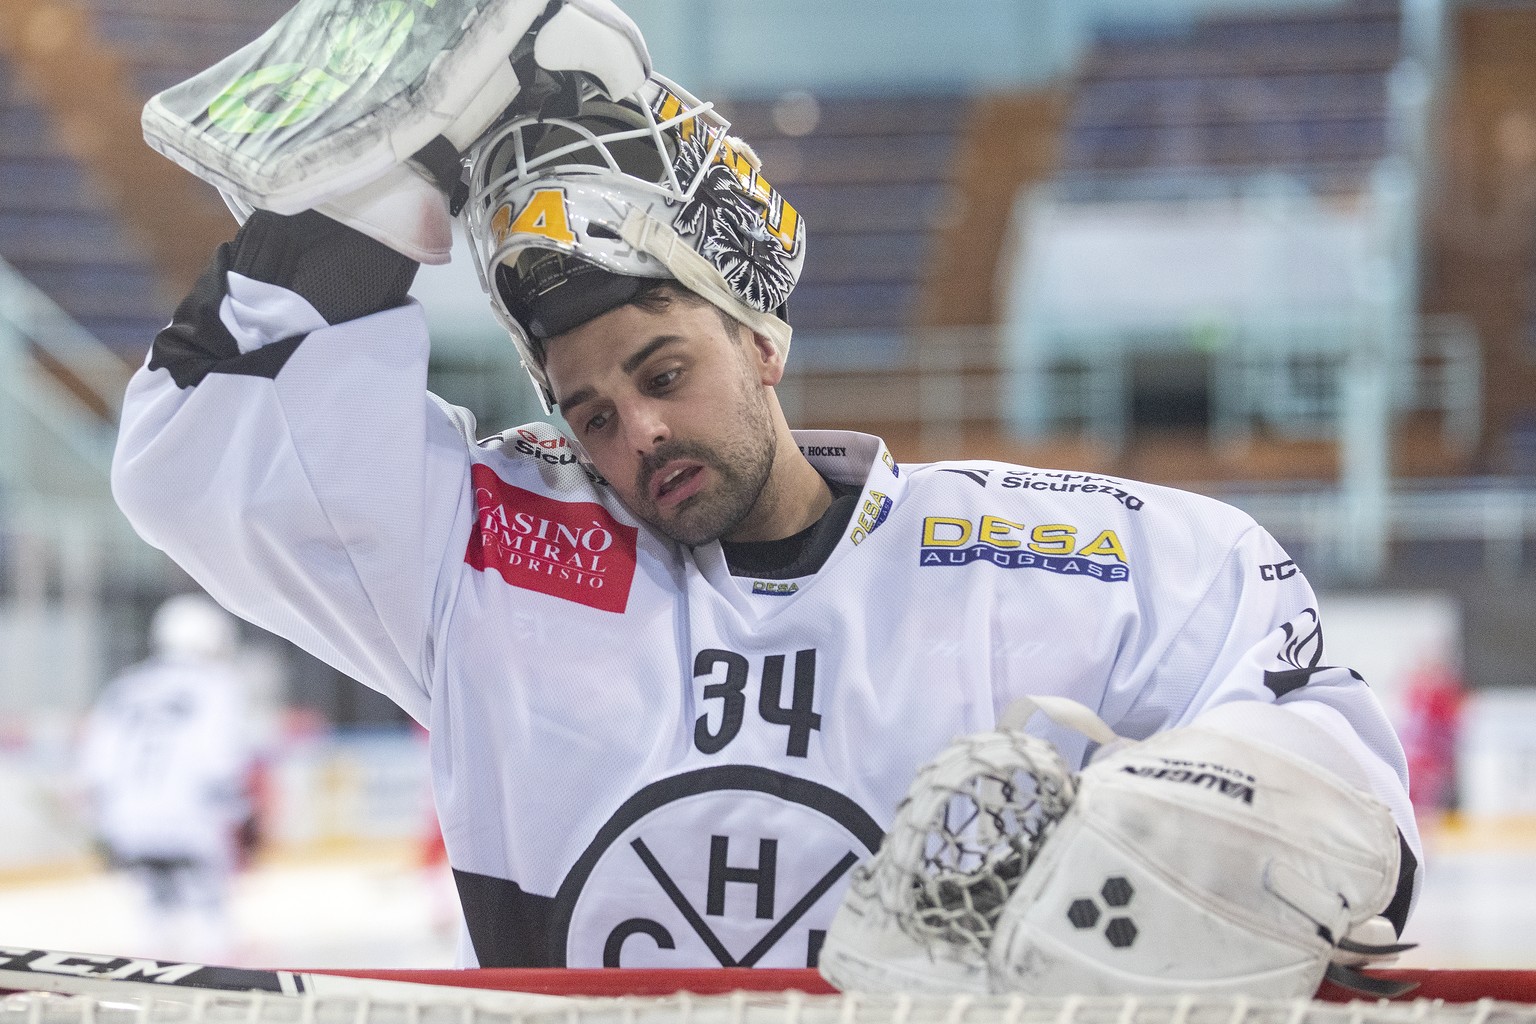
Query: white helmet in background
x: 569, y: 213
x: 192, y: 626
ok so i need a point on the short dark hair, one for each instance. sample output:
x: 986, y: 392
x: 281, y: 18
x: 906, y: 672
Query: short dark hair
x: 655, y: 295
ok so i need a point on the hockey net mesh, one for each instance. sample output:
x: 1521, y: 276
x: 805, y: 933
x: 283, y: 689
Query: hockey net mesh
x: 461, y: 1006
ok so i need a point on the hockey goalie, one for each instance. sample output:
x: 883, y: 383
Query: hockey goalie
x: 679, y: 662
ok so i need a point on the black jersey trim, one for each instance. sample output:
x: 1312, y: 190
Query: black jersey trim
x: 1282, y: 683
x: 803, y: 553
x: 197, y: 343
x: 507, y: 926
x: 196, y: 338
x: 339, y: 271
x: 1408, y: 867
x: 342, y: 273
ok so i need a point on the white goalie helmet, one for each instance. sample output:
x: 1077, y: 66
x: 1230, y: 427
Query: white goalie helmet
x: 571, y: 212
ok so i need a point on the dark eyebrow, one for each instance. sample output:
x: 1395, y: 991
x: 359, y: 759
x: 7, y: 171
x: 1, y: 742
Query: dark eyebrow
x: 630, y: 365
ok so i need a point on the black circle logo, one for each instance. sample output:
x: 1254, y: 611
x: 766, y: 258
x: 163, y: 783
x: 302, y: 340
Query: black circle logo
x: 736, y: 865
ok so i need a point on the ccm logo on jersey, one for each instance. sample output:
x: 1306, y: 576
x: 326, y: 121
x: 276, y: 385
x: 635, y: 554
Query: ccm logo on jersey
x: 1278, y: 570
x: 1054, y: 547
x: 572, y: 550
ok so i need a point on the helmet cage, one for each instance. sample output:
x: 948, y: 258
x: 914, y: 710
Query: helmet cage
x: 515, y: 132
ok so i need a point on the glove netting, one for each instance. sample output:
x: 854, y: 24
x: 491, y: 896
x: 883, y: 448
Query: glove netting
x: 970, y: 825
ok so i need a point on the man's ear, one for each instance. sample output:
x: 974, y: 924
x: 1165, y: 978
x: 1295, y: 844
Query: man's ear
x: 770, y: 362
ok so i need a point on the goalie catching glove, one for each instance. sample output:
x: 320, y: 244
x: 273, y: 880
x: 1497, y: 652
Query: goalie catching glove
x: 1196, y: 861
x: 361, y: 108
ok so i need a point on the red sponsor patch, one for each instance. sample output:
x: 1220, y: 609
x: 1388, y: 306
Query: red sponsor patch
x: 569, y: 549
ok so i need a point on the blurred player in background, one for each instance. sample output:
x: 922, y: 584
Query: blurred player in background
x: 680, y: 665
x: 1434, y: 700
x: 167, y: 762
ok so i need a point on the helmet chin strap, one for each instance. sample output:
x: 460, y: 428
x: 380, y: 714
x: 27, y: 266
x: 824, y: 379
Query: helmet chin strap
x: 646, y: 234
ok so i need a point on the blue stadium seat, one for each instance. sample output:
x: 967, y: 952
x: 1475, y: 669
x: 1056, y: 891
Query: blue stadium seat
x: 62, y: 236
x: 871, y: 179
x: 166, y: 41
x: 1252, y: 92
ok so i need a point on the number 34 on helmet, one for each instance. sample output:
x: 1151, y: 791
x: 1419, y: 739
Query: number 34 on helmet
x: 569, y: 214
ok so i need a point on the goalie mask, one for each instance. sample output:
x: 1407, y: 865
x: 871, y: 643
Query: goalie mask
x: 570, y: 213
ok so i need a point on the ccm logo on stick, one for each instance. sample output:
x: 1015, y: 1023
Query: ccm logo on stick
x: 116, y: 968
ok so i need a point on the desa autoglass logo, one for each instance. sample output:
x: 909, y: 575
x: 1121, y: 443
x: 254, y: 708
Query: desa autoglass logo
x: 1055, y: 547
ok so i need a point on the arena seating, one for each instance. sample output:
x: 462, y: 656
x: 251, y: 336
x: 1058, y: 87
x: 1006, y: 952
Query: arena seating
x: 879, y: 177
x: 1303, y: 91
x: 61, y: 234
x: 871, y: 178
x: 907, y: 197
x: 166, y: 41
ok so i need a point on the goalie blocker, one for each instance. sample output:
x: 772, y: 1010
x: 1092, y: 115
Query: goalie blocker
x: 362, y: 109
x: 1197, y: 861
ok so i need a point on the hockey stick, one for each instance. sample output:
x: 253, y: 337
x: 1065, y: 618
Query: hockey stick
x: 47, y: 970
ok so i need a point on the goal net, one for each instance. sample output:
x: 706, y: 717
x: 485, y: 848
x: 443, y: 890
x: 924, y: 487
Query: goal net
x: 470, y: 1006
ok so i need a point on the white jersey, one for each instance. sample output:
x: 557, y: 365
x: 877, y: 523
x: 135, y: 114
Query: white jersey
x: 640, y: 759
x: 164, y: 757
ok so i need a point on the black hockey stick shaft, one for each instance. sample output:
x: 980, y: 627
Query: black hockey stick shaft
x: 49, y: 970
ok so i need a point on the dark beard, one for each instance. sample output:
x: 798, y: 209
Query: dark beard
x: 742, y: 468
x: 743, y: 463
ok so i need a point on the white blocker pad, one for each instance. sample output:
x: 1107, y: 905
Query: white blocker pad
x: 338, y: 92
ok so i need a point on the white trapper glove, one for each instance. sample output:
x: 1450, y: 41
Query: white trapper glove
x: 348, y: 137
x: 1198, y: 861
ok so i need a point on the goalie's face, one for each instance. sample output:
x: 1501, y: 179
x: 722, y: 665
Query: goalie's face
x: 674, y: 407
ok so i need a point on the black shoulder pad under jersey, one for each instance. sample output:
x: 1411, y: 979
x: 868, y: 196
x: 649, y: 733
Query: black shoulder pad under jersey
x: 343, y: 273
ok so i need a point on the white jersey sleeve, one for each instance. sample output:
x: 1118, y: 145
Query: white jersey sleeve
x: 316, y: 502
x: 1256, y: 637
x: 1260, y: 633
